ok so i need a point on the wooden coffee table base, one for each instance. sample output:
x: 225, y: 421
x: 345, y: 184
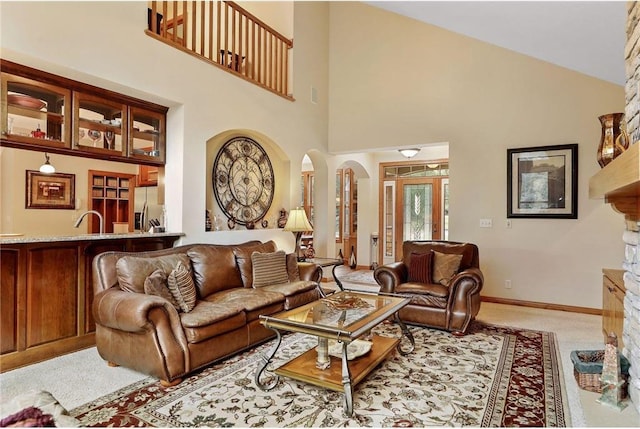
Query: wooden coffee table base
x: 342, y: 375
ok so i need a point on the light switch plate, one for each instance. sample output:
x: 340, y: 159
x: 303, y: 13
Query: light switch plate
x: 486, y: 223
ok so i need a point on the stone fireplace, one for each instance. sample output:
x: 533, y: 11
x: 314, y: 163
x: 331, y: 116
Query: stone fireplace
x: 631, y: 328
x: 623, y: 193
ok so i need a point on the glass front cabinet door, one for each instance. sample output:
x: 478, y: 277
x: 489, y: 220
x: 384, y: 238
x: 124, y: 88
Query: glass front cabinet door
x: 146, y: 135
x: 35, y: 113
x: 100, y: 125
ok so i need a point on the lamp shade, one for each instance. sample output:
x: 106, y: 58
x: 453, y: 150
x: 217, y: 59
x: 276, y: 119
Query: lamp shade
x: 47, y: 168
x: 297, y: 221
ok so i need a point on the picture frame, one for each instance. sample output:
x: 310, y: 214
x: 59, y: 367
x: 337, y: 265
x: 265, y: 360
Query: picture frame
x: 50, y: 190
x: 542, y: 182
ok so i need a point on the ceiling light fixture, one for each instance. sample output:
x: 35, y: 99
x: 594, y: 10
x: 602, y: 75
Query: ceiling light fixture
x: 409, y: 153
x: 47, y: 168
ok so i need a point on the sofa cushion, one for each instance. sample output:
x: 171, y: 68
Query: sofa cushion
x: 292, y: 267
x: 182, y: 287
x: 243, y: 259
x: 269, y: 268
x: 214, y: 268
x: 419, y: 269
x: 291, y: 288
x: 132, y: 271
x: 445, y: 266
x: 248, y: 299
x: 156, y: 284
x: 208, y: 319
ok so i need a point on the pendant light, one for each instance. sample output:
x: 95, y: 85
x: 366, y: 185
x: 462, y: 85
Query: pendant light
x: 47, y: 168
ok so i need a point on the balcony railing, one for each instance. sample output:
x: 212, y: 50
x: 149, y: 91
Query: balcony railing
x: 227, y: 36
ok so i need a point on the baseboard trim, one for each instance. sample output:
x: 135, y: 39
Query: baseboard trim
x: 543, y: 305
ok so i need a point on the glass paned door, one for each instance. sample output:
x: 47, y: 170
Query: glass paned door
x: 418, y: 211
x: 417, y: 207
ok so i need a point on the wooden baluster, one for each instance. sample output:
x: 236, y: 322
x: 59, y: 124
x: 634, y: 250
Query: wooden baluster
x: 285, y: 90
x: 164, y: 20
x: 175, y: 20
x: 154, y: 21
x: 219, y: 37
x: 194, y: 25
x: 202, y: 33
x: 211, y: 31
x: 225, y: 56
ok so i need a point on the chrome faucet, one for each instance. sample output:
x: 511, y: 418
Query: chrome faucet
x: 79, y: 221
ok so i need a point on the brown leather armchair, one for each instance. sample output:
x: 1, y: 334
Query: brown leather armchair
x: 451, y: 306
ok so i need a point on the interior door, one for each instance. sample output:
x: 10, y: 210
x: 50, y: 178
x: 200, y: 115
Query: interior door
x: 418, y: 205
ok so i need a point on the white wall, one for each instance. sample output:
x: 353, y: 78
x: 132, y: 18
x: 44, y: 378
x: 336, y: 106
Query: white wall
x: 70, y: 39
x: 392, y: 82
x: 397, y: 81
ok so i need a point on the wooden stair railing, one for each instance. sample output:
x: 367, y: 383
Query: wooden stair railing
x: 227, y: 36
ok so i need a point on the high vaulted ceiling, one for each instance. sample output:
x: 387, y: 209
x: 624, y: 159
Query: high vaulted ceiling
x: 585, y: 36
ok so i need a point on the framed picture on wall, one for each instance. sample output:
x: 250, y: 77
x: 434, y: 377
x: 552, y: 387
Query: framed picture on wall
x: 542, y: 182
x: 50, y: 191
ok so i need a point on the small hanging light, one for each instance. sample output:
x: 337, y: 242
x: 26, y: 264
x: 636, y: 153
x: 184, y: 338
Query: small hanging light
x: 47, y: 168
x: 409, y: 153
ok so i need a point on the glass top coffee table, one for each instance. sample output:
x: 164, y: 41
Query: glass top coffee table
x: 342, y: 323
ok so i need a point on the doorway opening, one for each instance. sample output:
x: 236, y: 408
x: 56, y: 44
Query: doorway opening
x: 415, y: 205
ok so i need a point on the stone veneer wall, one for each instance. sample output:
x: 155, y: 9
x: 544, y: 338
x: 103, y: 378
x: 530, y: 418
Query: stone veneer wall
x: 631, y: 237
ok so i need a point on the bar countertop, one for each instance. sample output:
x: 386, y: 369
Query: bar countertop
x: 26, y: 239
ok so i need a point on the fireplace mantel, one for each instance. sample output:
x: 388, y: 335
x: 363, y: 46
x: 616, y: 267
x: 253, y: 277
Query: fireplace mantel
x: 619, y: 184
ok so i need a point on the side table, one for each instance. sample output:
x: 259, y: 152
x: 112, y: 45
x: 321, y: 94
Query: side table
x: 328, y: 262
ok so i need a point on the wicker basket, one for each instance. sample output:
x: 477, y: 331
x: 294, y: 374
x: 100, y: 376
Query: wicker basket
x: 587, y: 369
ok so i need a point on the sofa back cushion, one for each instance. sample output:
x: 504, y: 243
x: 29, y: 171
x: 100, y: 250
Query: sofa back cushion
x: 214, y: 268
x: 243, y: 259
x: 132, y: 271
x: 468, y: 251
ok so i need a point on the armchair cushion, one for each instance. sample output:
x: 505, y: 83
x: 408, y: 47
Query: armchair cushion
x: 269, y: 268
x: 445, y: 266
x: 419, y: 270
x: 182, y: 287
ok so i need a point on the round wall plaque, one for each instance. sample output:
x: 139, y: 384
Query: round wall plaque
x: 243, y: 181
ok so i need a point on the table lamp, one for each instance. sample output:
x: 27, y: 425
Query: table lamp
x: 298, y: 223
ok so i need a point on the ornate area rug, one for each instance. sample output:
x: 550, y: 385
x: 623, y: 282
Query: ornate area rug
x: 492, y: 377
x: 364, y: 277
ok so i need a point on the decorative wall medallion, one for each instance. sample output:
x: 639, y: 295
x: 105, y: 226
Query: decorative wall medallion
x: 243, y: 181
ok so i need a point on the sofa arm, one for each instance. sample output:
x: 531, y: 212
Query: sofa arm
x: 390, y: 275
x: 310, y: 272
x: 129, y: 311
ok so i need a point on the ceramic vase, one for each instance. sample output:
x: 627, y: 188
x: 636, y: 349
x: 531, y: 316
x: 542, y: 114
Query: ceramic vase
x: 614, y: 139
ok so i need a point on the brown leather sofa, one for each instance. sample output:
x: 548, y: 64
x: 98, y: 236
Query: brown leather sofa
x: 147, y: 333
x: 450, y: 306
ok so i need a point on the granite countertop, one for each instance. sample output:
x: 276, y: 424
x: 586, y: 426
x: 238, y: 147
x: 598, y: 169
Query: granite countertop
x: 24, y: 239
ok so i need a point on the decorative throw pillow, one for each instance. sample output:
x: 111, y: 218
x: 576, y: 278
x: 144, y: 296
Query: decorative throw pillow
x: 156, y: 284
x: 445, y: 266
x: 182, y: 287
x: 419, y: 270
x: 269, y: 268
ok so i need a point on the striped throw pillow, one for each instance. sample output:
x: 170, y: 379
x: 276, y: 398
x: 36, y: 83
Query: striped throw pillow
x: 419, y: 270
x: 269, y: 268
x: 182, y: 287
